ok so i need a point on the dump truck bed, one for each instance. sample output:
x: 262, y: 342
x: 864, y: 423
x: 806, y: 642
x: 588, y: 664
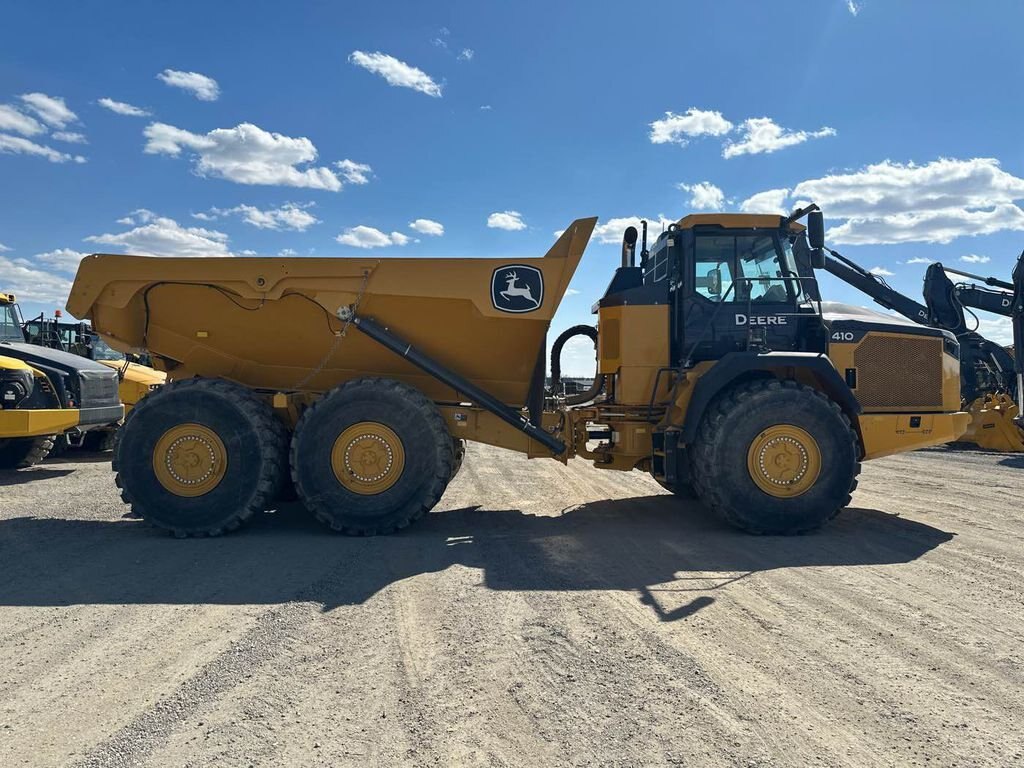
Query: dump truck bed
x: 273, y: 324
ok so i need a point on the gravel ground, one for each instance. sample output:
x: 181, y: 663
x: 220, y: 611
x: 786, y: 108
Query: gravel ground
x: 542, y: 615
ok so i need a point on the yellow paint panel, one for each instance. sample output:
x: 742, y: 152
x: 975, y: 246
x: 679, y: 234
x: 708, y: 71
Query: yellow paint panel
x: 884, y: 434
x: 34, y: 423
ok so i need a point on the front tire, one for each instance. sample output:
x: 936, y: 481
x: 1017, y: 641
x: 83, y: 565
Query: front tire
x: 199, y: 457
x: 775, y: 457
x: 22, y: 452
x: 371, y: 456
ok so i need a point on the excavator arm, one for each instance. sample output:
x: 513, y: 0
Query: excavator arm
x: 875, y: 287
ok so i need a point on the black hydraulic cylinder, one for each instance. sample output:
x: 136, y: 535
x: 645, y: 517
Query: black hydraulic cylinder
x: 478, y: 396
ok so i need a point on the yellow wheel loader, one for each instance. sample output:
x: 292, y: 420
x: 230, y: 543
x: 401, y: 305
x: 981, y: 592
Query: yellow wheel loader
x: 358, y: 377
x: 45, y: 393
x: 135, y: 378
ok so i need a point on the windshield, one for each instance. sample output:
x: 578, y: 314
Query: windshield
x: 10, y: 323
x: 762, y: 266
x: 764, y: 260
x: 103, y: 351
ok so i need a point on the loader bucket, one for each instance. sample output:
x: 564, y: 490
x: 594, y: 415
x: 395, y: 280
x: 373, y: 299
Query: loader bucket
x: 994, y: 426
x: 273, y: 323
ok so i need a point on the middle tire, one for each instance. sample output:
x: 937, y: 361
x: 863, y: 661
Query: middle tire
x: 371, y: 456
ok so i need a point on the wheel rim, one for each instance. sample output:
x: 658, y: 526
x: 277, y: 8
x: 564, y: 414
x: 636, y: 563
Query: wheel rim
x: 784, y: 461
x: 368, y: 458
x: 190, y: 460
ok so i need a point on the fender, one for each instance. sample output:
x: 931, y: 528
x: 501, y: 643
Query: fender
x: 736, y: 365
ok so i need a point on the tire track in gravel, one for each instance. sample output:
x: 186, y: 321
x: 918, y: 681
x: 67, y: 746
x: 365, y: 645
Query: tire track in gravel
x: 257, y: 646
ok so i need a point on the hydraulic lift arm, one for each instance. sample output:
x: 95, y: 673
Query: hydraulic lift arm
x: 875, y: 287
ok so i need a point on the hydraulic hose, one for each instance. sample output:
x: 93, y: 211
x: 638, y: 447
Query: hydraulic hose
x: 556, y: 364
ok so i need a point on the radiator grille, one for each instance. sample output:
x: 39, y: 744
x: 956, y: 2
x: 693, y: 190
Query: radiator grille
x: 98, y: 388
x: 899, y: 372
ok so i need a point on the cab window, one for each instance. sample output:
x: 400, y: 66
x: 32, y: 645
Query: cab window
x: 713, y: 257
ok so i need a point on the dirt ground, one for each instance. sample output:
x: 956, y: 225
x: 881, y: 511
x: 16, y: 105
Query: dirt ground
x: 542, y: 615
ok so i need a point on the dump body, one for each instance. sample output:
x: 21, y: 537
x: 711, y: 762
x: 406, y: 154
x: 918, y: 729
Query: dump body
x: 273, y: 324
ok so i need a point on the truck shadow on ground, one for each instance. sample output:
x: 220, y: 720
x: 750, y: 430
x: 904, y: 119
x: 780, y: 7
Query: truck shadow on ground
x: 668, y: 551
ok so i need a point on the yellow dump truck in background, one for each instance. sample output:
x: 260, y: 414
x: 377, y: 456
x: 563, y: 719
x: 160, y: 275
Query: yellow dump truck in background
x: 45, y: 393
x: 358, y: 379
x: 135, y: 379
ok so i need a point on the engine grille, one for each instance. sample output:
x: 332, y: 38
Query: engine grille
x: 899, y: 372
x: 98, y: 389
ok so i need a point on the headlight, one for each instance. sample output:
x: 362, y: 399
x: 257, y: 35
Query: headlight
x: 15, y: 387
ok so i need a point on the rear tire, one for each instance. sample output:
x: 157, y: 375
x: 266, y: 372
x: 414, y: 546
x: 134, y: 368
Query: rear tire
x: 22, y: 452
x: 371, y: 456
x: 683, y: 490
x: 458, y: 455
x: 775, y: 457
x: 200, y: 456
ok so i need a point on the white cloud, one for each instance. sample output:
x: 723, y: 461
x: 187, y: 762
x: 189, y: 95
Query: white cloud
x: 610, y: 232
x: 975, y: 259
x: 891, y: 202
x: 11, y: 119
x: 572, y: 292
x: 202, y: 87
x: 62, y: 259
x: 370, y: 237
x: 16, y: 145
x: 852, y: 7
x: 510, y: 220
x: 678, y: 129
x: 997, y: 329
x: 22, y: 278
x: 762, y: 135
x: 930, y: 226
x: 123, y: 108
x: 769, y: 201
x: 51, y: 109
x: 466, y: 54
x: 3, y: 248
x: 161, y: 236
x: 881, y: 272
x: 353, y: 172
x: 427, y: 227
x: 287, y: 252
x: 486, y: 107
x: 245, y: 154
x: 293, y: 216
x: 396, y: 72
x: 704, y: 196
x: 919, y: 260
x: 70, y: 137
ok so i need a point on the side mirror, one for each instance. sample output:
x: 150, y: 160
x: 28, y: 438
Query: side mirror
x: 715, y: 281
x: 817, y: 258
x: 816, y: 229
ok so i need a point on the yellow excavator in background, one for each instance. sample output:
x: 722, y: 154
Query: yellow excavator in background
x: 996, y: 421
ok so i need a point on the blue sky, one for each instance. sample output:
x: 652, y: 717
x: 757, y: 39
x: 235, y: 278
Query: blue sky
x: 226, y: 127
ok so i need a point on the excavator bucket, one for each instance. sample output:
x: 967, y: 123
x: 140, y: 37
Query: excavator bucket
x: 994, y: 424
x: 282, y: 324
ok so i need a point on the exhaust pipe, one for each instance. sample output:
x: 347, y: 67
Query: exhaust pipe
x: 629, y: 247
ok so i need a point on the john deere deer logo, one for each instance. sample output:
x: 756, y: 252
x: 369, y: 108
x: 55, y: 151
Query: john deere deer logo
x: 517, y: 288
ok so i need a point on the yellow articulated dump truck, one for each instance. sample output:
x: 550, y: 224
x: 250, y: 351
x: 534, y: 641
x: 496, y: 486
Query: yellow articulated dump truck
x: 45, y: 393
x: 360, y: 378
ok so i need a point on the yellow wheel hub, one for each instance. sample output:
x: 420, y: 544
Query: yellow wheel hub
x: 368, y: 458
x: 784, y: 461
x: 190, y: 460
